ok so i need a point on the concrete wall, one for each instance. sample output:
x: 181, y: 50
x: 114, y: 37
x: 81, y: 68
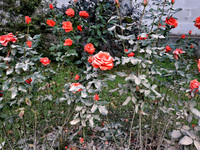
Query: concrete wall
x: 191, y: 10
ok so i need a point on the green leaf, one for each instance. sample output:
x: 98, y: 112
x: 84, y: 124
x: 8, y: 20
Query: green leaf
x: 103, y: 110
x: 6, y: 85
x: 99, y: 32
x: 3, y: 65
x: 13, y: 92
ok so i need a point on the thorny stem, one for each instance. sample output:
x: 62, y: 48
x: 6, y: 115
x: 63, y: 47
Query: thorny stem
x: 140, y: 130
x: 129, y: 143
x: 7, y: 136
x: 112, y: 133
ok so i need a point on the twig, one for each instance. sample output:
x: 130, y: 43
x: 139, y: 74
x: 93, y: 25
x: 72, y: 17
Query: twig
x: 131, y: 130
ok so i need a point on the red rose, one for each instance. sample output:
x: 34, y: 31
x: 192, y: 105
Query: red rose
x: 194, y: 84
x: 131, y: 54
x: 69, y: 12
x: 89, y: 48
x: 29, y: 43
x: 197, y: 22
x: 75, y: 84
x: 27, y: 19
x: 183, y: 36
x: 83, y: 14
x: 45, y: 61
x: 50, y: 6
x: 126, y: 50
x: 90, y: 59
x: 81, y: 140
x: 168, y: 49
x: 51, y: 23
x: 1, y: 95
x: 79, y: 28
x: 68, y: 42
x: 96, y: 97
x: 29, y: 81
x: 171, y: 21
x: 77, y: 77
x: 198, y: 64
x: 178, y: 52
x: 191, y: 46
x: 102, y: 60
x: 173, y: 1
x: 4, y: 39
x: 117, y: 2
x: 67, y: 26
x: 190, y: 32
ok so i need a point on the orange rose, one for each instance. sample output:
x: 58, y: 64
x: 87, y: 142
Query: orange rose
x: 194, y: 84
x: 4, y: 39
x: 45, y: 61
x: 51, y: 23
x: 27, y: 19
x: 171, y: 21
x: 67, y: 26
x: 68, y: 42
x: 102, y: 60
x: 89, y: 48
x: 83, y: 14
x: 197, y: 22
x: 70, y: 12
x: 29, y: 43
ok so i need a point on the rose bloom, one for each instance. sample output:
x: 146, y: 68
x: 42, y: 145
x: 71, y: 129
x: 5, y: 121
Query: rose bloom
x: 27, y: 19
x: 131, y: 54
x: 89, y: 48
x: 173, y: 1
x: 178, y: 52
x: 4, y: 39
x: 171, y: 21
x: 145, y: 2
x: 45, y: 61
x: 77, y: 77
x: 1, y: 95
x: 29, y: 81
x: 117, y: 2
x: 68, y: 42
x: 67, y: 26
x: 168, y: 49
x: 50, y: 6
x: 197, y: 22
x: 29, y: 43
x: 191, y: 46
x: 102, y: 60
x: 83, y: 14
x: 81, y: 140
x: 69, y: 12
x: 194, y: 84
x: 79, y: 28
x: 142, y: 38
x: 75, y: 84
x: 96, y: 97
x: 183, y: 36
x: 90, y: 59
x: 198, y: 64
x: 126, y: 50
x: 51, y: 23
x: 190, y: 32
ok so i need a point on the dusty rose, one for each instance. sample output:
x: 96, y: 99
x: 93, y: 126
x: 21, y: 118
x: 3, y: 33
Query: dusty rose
x: 27, y: 19
x: 197, y: 22
x: 89, y: 48
x: 70, y: 12
x: 75, y: 84
x: 194, y: 84
x: 77, y: 77
x: 50, y: 6
x: 51, y: 23
x: 102, y: 60
x: 178, y: 52
x: 4, y: 39
x: 29, y: 81
x: 183, y: 36
x: 29, y: 43
x: 45, y: 61
x: 168, y: 48
x: 79, y: 27
x: 68, y: 42
x: 83, y: 14
x: 96, y: 97
x: 171, y: 21
x: 67, y: 26
x: 131, y: 54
